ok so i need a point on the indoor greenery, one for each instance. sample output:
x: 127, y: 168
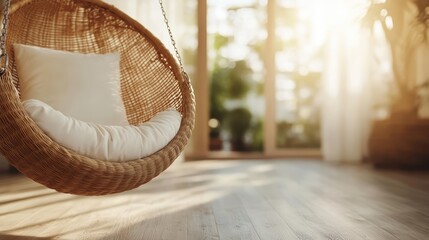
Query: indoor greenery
x: 403, y: 39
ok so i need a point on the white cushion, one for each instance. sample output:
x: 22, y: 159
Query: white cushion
x: 83, y: 86
x: 113, y: 143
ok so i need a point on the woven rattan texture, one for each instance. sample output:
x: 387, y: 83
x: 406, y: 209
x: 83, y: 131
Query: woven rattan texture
x: 151, y: 81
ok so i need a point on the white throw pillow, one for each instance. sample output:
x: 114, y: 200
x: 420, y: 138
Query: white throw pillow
x: 113, y: 143
x: 83, y: 86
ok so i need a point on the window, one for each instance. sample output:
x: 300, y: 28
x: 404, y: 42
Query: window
x: 236, y: 34
x: 263, y: 70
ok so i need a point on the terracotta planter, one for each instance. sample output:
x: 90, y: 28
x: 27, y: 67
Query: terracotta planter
x: 400, y: 143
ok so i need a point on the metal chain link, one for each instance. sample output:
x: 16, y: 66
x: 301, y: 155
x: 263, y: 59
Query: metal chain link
x: 3, y: 56
x: 173, y: 42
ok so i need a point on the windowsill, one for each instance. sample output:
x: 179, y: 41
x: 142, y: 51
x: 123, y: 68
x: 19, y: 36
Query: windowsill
x: 279, y: 154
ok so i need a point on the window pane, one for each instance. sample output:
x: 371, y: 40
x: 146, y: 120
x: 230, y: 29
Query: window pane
x: 299, y: 65
x: 236, y: 37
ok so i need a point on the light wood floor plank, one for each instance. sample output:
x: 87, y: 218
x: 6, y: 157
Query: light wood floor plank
x: 268, y: 224
x: 232, y: 220
x: 201, y: 223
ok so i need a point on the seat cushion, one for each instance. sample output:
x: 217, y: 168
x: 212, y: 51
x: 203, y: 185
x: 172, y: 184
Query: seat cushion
x: 112, y: 143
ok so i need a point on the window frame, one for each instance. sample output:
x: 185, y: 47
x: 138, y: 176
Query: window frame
x: 199, y: 145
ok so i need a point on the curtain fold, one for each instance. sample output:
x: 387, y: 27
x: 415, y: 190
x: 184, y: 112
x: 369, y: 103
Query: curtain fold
x: 355, y: 80
x: 346, y: 95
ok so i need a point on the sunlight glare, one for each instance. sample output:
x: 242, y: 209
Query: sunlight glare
x: 335, y: 22
x: 324, y: 17
x: 389, y: 22
x: 329, y: 12
x: 213, y: 123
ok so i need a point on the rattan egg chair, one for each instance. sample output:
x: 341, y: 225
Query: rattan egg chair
x: 151, y: 81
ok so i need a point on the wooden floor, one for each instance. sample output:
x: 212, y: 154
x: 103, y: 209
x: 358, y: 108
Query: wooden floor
x: 233, y: 200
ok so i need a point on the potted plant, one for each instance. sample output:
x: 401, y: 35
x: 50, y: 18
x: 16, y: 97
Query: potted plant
x: 238, y: 122
x: 402, y: 139
x: 229, y: 83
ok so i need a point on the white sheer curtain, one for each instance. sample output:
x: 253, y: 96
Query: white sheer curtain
x: 346, y: 97
x: 356, y: 67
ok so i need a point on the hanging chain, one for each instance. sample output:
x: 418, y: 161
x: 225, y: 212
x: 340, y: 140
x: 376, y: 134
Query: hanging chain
x: 173, y: 42
x: 3, y: 56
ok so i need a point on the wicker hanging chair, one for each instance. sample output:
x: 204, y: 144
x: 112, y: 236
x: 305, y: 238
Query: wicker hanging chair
x: 151, y: 81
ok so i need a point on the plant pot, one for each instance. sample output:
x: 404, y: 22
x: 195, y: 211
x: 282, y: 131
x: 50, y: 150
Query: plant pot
x: 215, y: 143
x: 400, y: 143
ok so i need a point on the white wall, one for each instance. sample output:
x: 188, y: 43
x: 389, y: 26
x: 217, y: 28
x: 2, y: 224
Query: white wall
x: 149, y: 14
x: 129, y: 6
